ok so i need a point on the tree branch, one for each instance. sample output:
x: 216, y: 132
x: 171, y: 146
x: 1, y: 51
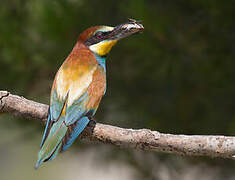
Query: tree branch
x: 143, y: 139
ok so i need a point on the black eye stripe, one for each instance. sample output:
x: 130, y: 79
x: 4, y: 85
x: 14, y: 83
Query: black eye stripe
x: 96, y: 38
x: 102, y: 34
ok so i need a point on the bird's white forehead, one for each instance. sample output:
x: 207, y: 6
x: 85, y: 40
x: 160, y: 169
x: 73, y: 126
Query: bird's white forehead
x: 105, y: 28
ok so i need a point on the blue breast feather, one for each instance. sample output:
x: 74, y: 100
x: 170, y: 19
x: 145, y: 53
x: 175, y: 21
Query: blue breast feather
x: 101, y: 60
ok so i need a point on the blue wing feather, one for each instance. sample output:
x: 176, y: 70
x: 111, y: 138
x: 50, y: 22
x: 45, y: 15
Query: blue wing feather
x: 56, y: 105
x: 75, y: 114
x: 76, y: 110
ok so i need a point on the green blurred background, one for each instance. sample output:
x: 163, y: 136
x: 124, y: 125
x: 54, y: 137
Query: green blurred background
x: 176, y: 77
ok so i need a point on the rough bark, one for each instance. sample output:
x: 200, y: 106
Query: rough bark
x: 143, y: 139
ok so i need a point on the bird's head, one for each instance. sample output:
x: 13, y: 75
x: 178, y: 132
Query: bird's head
x: 100, y: 39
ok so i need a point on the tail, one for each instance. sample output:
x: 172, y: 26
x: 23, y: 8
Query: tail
x: 53, y: 142
x: 61, y: 138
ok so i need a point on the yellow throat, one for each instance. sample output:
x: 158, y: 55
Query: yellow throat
x: 102, y: 48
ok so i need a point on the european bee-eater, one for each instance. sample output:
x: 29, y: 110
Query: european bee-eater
x: 79, y: 86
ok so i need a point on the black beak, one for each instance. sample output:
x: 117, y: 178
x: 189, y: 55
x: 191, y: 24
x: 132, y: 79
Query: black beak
x: 126, y: 29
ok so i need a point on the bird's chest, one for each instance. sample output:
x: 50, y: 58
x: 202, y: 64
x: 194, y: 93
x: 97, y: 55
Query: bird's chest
x: 98, y: 84
x: 96, y: 89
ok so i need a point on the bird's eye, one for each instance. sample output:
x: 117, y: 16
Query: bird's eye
x: 99, y: 35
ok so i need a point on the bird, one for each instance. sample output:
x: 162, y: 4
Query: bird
x: 78, y: 87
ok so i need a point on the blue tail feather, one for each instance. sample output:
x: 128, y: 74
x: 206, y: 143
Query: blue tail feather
x: 55, y: 153
x: 80, y: 126
x: 53, y: 142
x: 39, y: 162
x: 46, y: 129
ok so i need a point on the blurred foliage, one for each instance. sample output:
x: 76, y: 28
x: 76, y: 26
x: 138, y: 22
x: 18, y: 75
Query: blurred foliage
x: 176, y: 77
